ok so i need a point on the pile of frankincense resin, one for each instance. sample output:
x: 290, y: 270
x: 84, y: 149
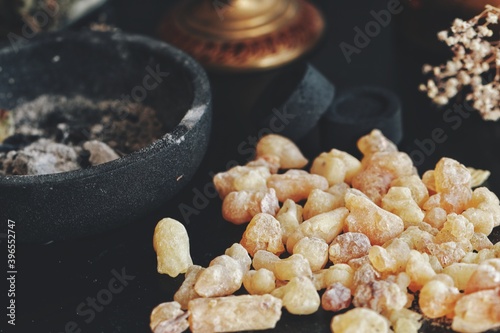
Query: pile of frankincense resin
x: 368, y: 238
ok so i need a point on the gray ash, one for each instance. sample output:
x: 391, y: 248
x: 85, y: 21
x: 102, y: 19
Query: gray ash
x: 56, y: 134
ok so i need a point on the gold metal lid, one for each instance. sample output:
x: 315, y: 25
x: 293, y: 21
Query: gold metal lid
x: 243, y: 35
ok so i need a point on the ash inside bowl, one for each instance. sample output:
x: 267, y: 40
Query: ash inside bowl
x: 54, y: 134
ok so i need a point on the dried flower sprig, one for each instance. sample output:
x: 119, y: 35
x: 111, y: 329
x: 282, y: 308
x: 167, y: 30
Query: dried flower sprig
x: 476, y: 53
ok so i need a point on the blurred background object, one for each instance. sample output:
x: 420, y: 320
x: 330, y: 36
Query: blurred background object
x: 256, y: 53
x: 24, y: 18
x: 243, y: 35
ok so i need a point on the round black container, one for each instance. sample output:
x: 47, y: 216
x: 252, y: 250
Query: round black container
x: 356, y: 112
x: 104, y: 66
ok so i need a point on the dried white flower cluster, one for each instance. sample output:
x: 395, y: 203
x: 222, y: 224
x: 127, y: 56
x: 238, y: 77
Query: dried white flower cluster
x: 476, y: 63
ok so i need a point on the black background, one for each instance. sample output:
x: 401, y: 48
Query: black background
x: 53, y: 279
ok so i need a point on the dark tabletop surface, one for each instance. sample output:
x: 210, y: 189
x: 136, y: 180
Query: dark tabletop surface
x: 57, y: 282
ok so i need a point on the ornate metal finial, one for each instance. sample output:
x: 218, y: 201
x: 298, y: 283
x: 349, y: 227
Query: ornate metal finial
x: 243, y: 35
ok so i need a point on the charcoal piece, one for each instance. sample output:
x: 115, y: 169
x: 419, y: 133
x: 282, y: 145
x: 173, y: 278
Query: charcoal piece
x: 19, y: 140
x: 78, y: 134
x: 54, y: 118
x: 84, y: 158
x: 5, y: 148
x: 356, y: 112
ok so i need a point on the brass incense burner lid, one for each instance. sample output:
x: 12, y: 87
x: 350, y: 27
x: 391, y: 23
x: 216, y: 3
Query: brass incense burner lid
x: 243, y: 35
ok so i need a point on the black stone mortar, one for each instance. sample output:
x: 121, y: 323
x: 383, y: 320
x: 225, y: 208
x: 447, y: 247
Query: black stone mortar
x: 104, y: 66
